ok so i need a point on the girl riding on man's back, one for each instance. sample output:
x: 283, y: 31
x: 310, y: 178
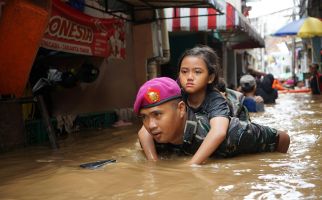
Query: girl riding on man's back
x: 222, y: 134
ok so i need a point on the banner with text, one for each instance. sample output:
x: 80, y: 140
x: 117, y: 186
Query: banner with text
x: 72, y: 31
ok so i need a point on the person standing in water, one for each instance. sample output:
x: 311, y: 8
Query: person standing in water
x: 266, y: 91
x: 315, y: 79
x: 252, y: 102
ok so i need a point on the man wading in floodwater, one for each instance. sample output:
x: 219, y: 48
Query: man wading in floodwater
x: 169, y: 125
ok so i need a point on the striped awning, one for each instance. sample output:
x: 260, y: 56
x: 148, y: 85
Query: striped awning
x: 144, y: 11
x: 232, y: 25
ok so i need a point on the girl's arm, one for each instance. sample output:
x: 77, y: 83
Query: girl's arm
x: 147, y: 144
x: 215, y: 136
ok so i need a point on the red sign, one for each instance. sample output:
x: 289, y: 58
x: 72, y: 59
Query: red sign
x: 70, y: 30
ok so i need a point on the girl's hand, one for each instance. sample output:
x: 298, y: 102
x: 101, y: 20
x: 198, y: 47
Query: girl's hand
x: 147, y: 144
x: 215, y: 136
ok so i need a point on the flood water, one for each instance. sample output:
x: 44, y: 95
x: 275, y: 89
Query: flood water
x: 40, y: 173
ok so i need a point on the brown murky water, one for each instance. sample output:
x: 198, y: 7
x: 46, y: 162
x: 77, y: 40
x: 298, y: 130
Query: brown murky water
x: 39, y: 173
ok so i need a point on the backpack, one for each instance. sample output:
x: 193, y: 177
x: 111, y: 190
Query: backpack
x: 235, y: 100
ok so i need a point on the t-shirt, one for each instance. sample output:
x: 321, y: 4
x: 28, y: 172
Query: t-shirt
x: 252, y: 105
x: 214, y: 105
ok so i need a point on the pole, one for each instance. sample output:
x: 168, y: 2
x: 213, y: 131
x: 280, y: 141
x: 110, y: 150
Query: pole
x: 47, y: 123
x: 293, y: 48
x: 293, y: 61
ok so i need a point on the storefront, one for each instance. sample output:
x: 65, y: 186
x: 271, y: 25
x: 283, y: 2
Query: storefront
x: 116, y: 38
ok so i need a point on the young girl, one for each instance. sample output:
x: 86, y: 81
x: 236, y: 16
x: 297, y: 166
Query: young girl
x: 198, y: 74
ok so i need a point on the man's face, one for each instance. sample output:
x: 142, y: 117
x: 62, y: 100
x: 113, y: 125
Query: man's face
x: 163, y: 122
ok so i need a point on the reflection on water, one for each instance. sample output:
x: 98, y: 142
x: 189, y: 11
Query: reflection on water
x: 39, y: 173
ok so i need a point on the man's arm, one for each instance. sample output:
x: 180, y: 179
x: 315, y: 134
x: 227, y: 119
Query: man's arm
x: 216, y: 135
x: 255, y: 72
x: 147, y: 144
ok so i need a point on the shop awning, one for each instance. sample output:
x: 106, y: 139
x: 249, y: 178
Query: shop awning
x: 148, y: 4
x: 143, y: 11
x: 232, y: 26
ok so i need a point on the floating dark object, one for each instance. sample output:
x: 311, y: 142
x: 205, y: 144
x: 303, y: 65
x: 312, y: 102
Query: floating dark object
x: 97, y: 164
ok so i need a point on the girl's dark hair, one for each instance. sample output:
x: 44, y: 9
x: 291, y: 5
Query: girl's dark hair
x: 221, y: 85
x: 209, y: 56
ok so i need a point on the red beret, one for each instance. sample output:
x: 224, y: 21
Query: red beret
x: 155, y: 92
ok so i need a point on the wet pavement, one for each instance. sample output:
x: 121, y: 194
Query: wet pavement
x: 40, y: 173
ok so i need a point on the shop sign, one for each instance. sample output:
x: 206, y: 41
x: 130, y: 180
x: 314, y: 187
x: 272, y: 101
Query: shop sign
x: 70, y: 30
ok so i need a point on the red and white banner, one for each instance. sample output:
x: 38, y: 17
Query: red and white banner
x: 72, y: 31
x: 202, y: 19
x: 207, y: 19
